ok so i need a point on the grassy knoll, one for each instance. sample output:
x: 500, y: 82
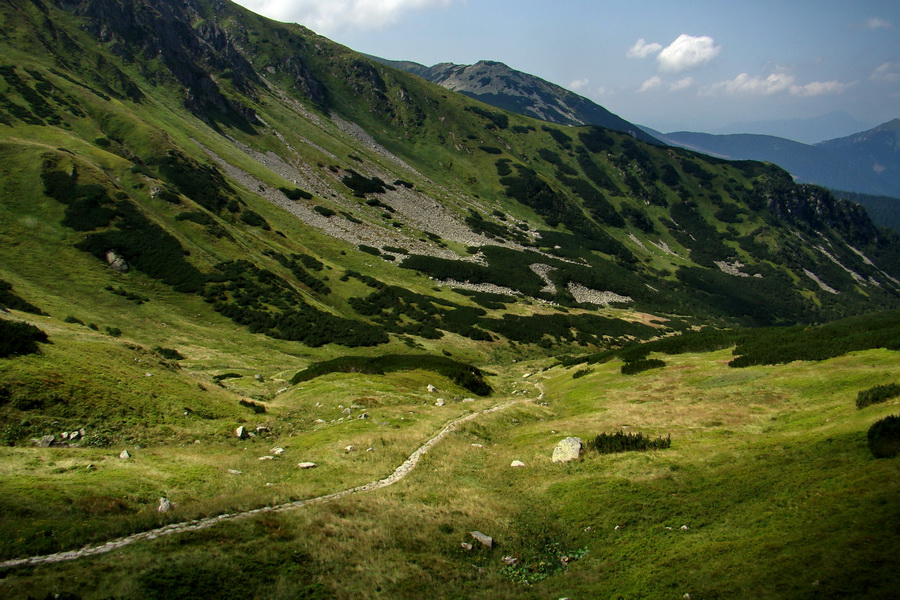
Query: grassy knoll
x: 768, y: 470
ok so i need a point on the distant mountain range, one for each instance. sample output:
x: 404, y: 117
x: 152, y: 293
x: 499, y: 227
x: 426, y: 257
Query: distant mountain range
x: 808, y: 130
x: 499, y: 85
x: 867, y: 162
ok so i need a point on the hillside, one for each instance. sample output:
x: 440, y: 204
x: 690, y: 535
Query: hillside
x: 499, y: 85
x: 319, y: 305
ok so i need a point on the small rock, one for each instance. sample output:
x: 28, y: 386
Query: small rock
x: 262, y: 429
x: 363, y: 416
x: 241, y: 433
x: 234, y: 471
x: 277, y: 450
x: 616, y: 527
x: 517, y: 463
x: 466, y: 546
x: 439, y: 402
x: 124, y: 455
x: 266, y: 457
x: 684, y: 527
x: 64, y: 435
x: 431, y: 388
x: 485, y: 540
x: 81, y: 432
x: 686, y: 596
x: 307, y: 465
x: 319, y: 421
x: 350, y: 448
x: 567, y: 450
x: 468, y: 399
x: 477, y: 445
x: 370, y: 449
x: 46, y: 441
x: 258, y: 377
x: 165, y: 506
x: 346, y: 411
x: 510, y: 561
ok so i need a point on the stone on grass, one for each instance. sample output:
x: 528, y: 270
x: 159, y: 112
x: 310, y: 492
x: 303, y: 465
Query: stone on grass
x: 241, y: 433
x: 307, y: 465
x: 484, y: 539
x: 165, y: 506
x: 277, y: 450
x: 517, y: 463
x: 431, y: 388
x: 124, y: 455
x: 234, y: 471
x: 567, y: 450
x: 466, y: 545
x: 46, y: 441
x: 510, y: 561
x: 266, y: 457
x: 439, y: 402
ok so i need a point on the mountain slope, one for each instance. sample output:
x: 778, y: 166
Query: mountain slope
x: 497, y: 84
x: 867, y: 162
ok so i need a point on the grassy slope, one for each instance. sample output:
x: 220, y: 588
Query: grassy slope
x: 769, y: 470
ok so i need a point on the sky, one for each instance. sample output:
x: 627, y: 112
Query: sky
x: 698, y: 65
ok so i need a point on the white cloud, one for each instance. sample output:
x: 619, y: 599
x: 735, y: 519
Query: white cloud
x: 888, y: 72
x: 682, y: 84
x: 819, y: 88
x: 652, y: 83
x: 642, y: 49
x: 687, y: 52
x: 745, y: 84
x: 328, y: 16
x: 776, y: 83
x: 578, y: 84
x: 876, y: 23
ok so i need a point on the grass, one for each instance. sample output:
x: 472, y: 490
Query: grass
x: 769, y: 471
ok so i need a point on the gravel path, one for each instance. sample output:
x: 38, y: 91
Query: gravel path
x: 399, y: 473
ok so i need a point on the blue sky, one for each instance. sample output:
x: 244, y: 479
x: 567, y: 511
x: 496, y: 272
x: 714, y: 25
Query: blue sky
x: 697, y: 65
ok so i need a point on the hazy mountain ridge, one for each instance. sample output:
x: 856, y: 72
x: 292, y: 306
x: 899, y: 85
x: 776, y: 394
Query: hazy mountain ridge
x: 866, y: 162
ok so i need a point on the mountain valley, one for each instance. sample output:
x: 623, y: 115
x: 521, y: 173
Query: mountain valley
x: 257, y: 275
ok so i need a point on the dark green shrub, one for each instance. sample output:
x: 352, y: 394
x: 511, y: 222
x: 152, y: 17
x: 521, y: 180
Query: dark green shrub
x: 609, y: 443
x: 296, y: 193
x: 10, y: 300
x: 222, y: 376
x: 877, y: 394
x: 638, y: 366
x: 884, y: 437
x: 256, y: 407
x: 17, y: 338
x: 256, y: 220
x: 168, y: 353
x: 75, y: 320
x: 324, y: 211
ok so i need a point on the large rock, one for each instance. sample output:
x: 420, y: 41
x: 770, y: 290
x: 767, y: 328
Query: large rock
x: 241, y: 433
x: 568, y: 450
x: 485, y: 540
x: 164, y: 505
x: 116, y: 262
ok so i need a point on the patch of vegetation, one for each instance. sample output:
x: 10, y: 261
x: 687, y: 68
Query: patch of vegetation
x: 295, y: 193
x: 256, y: 407
x: 462, y: 374
x: 324, y: 211
x: 610, y: 443
x: 136, y: 298
x: 265, y: 303
x: 11, y: 300
x: 639, y: 366
x: 254, y: 219
x: 884, y: 437
x: 495, y: 120
x: 877, y: 394
x: 17, y: 338
x: 168, y: 353
x: 87, y: 206
x: 361, y: 185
